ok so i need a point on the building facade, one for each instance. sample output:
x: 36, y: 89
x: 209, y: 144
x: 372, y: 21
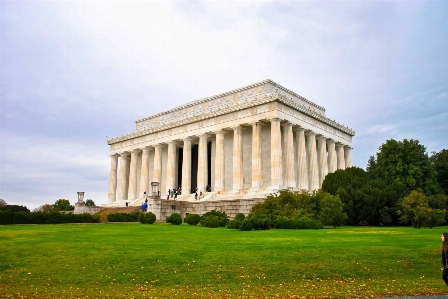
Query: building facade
x: 243, y: 144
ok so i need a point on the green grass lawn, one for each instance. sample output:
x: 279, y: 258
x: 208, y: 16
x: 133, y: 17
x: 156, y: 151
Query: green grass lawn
x: 162, y: 260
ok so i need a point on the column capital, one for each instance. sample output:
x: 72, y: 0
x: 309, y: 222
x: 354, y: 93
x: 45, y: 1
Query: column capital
x: 298, y: 129
x: 124, y: 154
x: 286, y: 124
x: 339, y: 145
x: 220, y: 132
x: 135, y: 151
x: 114, y: 155
x: 329, y: 140
x: 321, y: 137
x: 274, y: 119
x: 189, y: 138
x: 206, y: 135
x: 256, y: 123
x: 310, y: 133
x: 145, y: 149
x: 237, y: 127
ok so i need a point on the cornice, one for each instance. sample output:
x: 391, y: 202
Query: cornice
x: 249, y: 96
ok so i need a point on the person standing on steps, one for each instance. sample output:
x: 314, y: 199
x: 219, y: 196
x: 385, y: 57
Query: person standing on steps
x: 444, y: 257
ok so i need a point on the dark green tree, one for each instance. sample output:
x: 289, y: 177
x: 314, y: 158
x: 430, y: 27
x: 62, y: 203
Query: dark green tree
x: 90, y: 203
x: 331, y: 209
x: 405, y: 164
x: 440, y: 163
x: 63, y: 205
x: 415, y: 209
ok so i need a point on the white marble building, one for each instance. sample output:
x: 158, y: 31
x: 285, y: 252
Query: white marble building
x: 244, y: 144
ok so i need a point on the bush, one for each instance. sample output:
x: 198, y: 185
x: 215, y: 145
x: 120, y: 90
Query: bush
x: 175, y: 219
x: 14, y: 208
x: 147, y: 218
x: 123, y: 217
x: 260, y: 222
x: 246, y: 225
x: 240, y: 217
x: 234, y: 224
x: 222, y: 217
x: 192, y: 219
x: 8, y: 217
x: 210, y: 221
x: 298, y: 223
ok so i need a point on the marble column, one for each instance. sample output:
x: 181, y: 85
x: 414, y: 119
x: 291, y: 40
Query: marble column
x: 257, y: 166
x: 348, y: 156
x: 157, y: 174
x: 276, y: 154
x: 132, y: 191
x: 237, y: 177
x: 288, y: 141
x: 122, y: 193
x: 313, y: 171
x: 322, y: 158
x: 186, y: 167
x: 112, y: 194
x: 340, y: 156
x: 219, y: 161
x: 171, y: 166
x: 144, y: 174
x: 202, y: 163
x: 302, y: 167
x: 332, y: 164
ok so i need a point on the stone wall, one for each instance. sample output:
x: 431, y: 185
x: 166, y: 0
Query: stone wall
x: 163, y: 208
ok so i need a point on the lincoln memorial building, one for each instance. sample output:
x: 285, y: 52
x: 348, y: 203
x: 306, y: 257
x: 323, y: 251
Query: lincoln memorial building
x: 243, y: 144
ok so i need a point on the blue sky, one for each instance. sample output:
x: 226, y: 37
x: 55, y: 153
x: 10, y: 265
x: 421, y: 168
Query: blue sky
x: 74, y: 72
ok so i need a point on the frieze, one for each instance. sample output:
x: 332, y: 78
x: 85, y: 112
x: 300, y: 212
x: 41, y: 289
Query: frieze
x: 265, y: 92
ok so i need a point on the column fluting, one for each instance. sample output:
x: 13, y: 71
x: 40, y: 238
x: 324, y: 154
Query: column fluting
x: 313, y: 171
x: 288, y: 141
x: 237, y: 177
x: 122, y: 181
x: 348, y: 156
x: 157, y: 173
x: 302, y: 166
x: 186, y: 167
x: 171, y: 166
x: 219, y: 161
x: 332, y: 163
x: 276, y: 153
x: 257, y: 166
x: 144, y: 176
x: 112, y: 194
x: 322, y: 158
x: 340, y: 156
x: 132, y: 191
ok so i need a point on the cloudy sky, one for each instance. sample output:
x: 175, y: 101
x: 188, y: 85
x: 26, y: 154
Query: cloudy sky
x: 74, y: 72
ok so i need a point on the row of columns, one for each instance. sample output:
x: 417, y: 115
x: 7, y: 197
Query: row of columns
x: 313, y: 163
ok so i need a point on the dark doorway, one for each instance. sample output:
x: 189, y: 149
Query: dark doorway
x: 209, y: 164
x: 180, y: 154
x: 194, y: 167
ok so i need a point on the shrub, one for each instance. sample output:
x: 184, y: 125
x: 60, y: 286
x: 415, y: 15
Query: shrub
x: 147, y: 218
x: 246, y: 225
x: 192, y: 219
x: 240, y: 217
x: 210, y: 221
x: 298, y: 223
x: 123, y: 217
x: 234, y: 224
x: 260, y: 222
x: 175, y: 219
x: 222, y: 217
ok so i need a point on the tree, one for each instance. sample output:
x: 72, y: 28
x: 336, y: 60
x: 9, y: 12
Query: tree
x: 46, y: 208
x: 3, y: 203
x: 440, y: 163
x: 331, y: 209
x: 415, y: 209
x: 63, y: 205
x: 90, y: 203
x: 406, y: 164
